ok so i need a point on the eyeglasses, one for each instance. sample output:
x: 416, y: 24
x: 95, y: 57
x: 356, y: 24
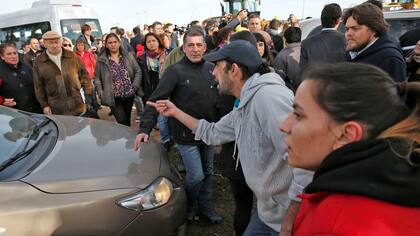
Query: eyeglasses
x: 66, y: 45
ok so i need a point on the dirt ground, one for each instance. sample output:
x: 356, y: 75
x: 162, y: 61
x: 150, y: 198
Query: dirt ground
x: 223, y: 199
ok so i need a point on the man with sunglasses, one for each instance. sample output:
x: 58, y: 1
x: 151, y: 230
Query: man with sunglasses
x: 58, y: 75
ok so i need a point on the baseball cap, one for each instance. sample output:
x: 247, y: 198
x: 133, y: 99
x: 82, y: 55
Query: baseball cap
x: 51, y: 35
x: 239, y: 51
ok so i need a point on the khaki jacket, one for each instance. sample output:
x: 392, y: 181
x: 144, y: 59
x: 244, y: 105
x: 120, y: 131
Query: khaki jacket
x: 60, y: 89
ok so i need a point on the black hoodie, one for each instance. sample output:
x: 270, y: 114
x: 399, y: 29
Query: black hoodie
x: 385, y: 54
x: 371, y: 169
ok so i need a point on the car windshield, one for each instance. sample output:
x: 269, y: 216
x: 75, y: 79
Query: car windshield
x: 15, y: 128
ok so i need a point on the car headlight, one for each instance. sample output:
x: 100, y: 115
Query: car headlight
x: 156, y: 195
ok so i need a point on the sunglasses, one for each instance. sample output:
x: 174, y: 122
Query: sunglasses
x: 66, y: 45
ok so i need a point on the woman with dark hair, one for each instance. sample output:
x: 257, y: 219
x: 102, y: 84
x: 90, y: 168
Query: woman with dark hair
x: 88, y: 38
x: 166, y: 42
x: 151, y: 63
x: 360, y: 132
x: 263, y: 48
x: 16, y: 83
x: 117, y: 79
x: 222, y: 37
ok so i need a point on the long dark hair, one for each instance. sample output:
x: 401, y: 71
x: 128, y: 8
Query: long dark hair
x: 267, y: 54
x: 106, y: 50
x: 143, y: 40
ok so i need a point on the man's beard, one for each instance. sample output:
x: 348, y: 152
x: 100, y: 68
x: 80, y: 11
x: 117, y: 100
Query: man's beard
x: 225, y: 88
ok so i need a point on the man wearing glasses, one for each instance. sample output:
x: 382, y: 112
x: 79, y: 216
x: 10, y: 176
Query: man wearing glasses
x: 189, y: 84
x: 58, y: 75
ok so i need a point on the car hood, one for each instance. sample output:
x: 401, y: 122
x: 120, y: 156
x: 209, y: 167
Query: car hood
x: 93, y: 155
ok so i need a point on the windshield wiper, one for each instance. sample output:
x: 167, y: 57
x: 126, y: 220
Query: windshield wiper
x: 19, y: 156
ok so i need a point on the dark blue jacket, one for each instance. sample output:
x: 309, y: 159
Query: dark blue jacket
x: 17, y: 83
x: 385, y: 54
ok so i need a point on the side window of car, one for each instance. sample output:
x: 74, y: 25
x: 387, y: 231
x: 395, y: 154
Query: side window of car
x: 399, y: 26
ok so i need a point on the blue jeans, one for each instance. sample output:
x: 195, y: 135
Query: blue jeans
x: 258, y: 228
x: 163, y: 128
x: 198, y: 161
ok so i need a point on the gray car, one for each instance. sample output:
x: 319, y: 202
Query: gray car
x: 62, y: 175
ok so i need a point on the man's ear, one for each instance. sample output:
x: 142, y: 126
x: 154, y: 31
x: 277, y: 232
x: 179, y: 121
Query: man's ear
x: 338, y: 21
x: 347, y: 133
x: 236, y: 71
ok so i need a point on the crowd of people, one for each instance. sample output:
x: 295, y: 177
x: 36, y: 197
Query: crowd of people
x: 323, y: 132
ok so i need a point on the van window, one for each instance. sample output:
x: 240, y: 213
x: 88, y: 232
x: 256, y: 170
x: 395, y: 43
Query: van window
x: 72, y: 28
x: 22, y: 33
x: 399, y: 26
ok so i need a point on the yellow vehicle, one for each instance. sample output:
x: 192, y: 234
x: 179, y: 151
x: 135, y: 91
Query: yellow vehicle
x: 402, y: 5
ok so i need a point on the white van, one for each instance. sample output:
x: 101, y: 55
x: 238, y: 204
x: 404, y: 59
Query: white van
x: 63, y: 16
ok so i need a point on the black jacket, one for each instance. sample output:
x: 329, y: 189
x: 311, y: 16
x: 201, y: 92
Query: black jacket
x: 17, y: 83
x: 191, y: 87
x: 134, y: 41
x: 385, y: 54
x: 329, y: 46
x: 150, y: 79
x: 372, y: 169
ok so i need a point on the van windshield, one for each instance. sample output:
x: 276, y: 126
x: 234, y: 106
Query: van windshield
x: 72, y: 28
x: 22, y: 33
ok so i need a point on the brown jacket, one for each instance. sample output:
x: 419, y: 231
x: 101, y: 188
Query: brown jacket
x: 60, y: 89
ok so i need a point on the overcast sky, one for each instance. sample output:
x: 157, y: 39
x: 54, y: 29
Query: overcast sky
x: 129, y: 13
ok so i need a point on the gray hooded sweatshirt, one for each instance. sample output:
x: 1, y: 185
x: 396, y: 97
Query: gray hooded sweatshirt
x: 265, y: 103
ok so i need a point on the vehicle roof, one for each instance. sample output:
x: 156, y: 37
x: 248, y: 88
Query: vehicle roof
x: 46, y: 12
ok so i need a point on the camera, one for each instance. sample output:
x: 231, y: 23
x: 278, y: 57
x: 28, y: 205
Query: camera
x: 180, y: 29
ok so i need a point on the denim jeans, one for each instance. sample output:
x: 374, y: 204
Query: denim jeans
x: 162, y: 123
x: 198, y: 161
x: 122, y: 110
x: 139, y: 106
x: 258, y: 228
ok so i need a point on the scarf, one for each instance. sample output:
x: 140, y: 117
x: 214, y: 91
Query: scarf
x: 153, y: 60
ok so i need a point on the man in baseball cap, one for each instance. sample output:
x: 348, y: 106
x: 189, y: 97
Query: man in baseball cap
x: 240, y: 52
x: 265, y: 102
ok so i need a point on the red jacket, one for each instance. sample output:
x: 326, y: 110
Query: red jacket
x: 325, y: 214
x: 89, y: 61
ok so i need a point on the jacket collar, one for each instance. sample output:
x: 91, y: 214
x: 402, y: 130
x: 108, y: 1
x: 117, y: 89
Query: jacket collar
x: 370, y: 168
x: 65, y: 54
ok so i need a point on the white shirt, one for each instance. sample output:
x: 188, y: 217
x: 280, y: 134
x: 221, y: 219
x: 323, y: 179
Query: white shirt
x: 354, y: 54
x: 56, y: 58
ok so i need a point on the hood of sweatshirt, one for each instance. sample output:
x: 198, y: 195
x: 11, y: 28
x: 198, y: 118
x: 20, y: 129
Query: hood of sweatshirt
x: 374, y: 168
x: 254, y: 83
x: 381, y: 43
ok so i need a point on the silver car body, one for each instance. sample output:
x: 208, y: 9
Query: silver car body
x: 73, y: 189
